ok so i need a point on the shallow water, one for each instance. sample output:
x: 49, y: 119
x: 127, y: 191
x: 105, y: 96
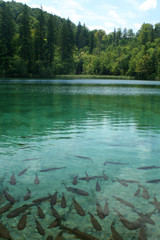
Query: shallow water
x: 86, y: 126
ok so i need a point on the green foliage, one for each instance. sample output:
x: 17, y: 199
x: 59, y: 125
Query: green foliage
x: 34, y: 43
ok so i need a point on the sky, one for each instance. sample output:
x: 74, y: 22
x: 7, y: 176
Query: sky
x: 103, y: 14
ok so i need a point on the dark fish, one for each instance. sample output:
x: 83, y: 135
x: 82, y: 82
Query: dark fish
x: 115, y: 234
x: 146, y: 218
x: 87, y: 177
x: 100, y: 212
x: 22, y: 172
x: 27, y: 196
x: 9, y: 197
x: 77, y: 191
x: 39, y: 228
x: 129, y: 225
x: 105, y: 176
x: 22, y: 222
x: 148, y: 167
x: 40, y: 212
x: 55, y: 213
x: 5, y: 208
x: 75, y: 181
x: 78, y: 208
x: 53, y: 199
x: 59, y: 235
x: 145, y: 193
x: 42, y: 199
x: 124, y: 202
x: 106, y: 209
x: 153, y: 181
x: 142, y: 234
x: 137, y: 192
x: 129, y: 181
x: 63, y: 201
x: 156, y: 203
x: 4, y: 233
x: 36, y: 181
x: 116, y: 163
x: 19, y: 210
x: 87, y: 158
x: 13, y: 180
x: 79, y: 234
x: 95, y: 223
x: 98, y: 188
x: 49, y: 238
x: 51, y: 169
x: 55, y: 223
x: 121, y: 182
x: 30, y: 159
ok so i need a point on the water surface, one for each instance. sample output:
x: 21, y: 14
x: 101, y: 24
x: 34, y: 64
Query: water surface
x: 85, y: 127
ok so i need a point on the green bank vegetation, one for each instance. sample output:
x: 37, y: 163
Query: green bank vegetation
x: 34, y: 43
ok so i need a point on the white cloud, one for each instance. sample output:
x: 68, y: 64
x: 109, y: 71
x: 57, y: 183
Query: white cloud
x: 147, y: 5
x: 137, y: 26
x: 116, y: 18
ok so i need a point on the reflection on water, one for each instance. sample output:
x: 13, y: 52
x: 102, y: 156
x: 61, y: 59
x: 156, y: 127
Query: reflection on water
x: 96, y: 143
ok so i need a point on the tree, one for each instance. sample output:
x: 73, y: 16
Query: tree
x: 50, y: 45
x: 25, y: 40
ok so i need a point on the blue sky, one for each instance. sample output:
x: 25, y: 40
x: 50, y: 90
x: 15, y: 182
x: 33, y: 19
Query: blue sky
x: 103, y: 14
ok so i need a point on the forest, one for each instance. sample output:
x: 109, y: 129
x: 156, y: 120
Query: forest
x: 34, y: 43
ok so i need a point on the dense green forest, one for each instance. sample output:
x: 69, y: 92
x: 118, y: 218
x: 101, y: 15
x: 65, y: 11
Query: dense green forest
x: 34, y: 43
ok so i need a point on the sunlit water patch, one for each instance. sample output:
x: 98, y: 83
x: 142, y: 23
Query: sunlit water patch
x: 95, y: 141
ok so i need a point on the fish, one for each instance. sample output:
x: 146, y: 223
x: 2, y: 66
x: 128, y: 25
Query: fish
x: 22, y: 222
x: 137, y: 192
x: 54, y: 199
x: 145, y: 193
x: 128, y: 204
x: 148, y: 167
x: 129, y: 225
x: 95, y: 223
x: 30, y: 159
x: 87, y: 158
x: 98, y: 188
x: 5, y: 208
x: 105, y: 176
x: 59, y: 235
x: 106, y: 209
x: 36, y: 181
x: 49, y: 238
x: 4, y: 232
x: 87, y: 177
x: 142, y: 234
x: 51, y: 169
x: 27, y: 196
x: 40, y: 212
x: 42, y: 199
x: 13, y: 180
x: 55, y: 213
x: 78, y: 233
x: 116, y: 163
x: 129, y: 181
x: 121, y: 182
x: 63, y: 201
x: 153, y: 181
x: 22, y: 172
x: 145, y: 218
x: 9, y: 197
x: 39, y: 227
x: 55, y: 223
x: 19, y: 210
x: 100, y: 212
x: 156, y: 203
x: 78, y: 208
x: 77, y: 191
x: 75, y: 181
x: 115, y: 234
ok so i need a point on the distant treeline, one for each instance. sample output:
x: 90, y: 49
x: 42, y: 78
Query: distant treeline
x: 34, y: 43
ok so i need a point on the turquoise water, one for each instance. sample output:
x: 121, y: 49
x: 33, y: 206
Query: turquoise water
x: 80, y: 126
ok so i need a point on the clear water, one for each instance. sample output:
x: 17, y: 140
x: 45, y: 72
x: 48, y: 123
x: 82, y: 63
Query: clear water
x: 49, y: 123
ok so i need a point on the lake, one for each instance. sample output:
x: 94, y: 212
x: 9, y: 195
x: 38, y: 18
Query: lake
x: 96, y: 143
